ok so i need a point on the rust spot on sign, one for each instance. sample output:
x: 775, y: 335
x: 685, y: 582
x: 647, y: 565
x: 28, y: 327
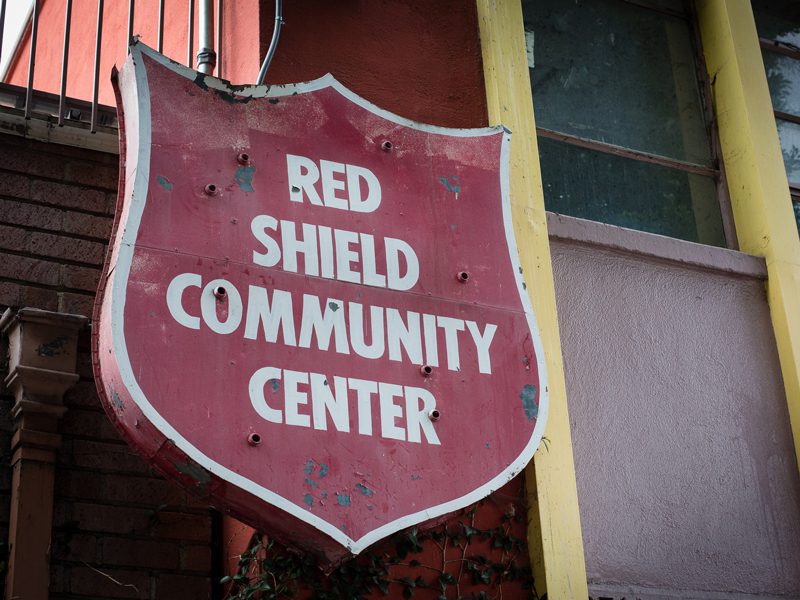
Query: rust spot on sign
x: 528, y: 397
x: 244, y: 177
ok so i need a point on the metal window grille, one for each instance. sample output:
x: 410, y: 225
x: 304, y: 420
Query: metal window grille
x: 84, y: 105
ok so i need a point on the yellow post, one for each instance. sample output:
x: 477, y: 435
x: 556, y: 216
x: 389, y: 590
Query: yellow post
x: 554, y: 532
x: 759, y: 190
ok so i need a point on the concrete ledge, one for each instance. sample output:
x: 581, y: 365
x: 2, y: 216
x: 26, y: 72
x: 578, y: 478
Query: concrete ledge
x: 592, y: 233
x: 635, y: 592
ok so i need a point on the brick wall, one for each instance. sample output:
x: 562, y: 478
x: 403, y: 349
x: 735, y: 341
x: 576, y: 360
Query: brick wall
x: 120, y: 530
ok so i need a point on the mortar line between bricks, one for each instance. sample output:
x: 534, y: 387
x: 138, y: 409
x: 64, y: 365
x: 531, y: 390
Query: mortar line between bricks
x: 152, y: 476
x: 51, y: 259
x: 174, y: 508
x: 61, y: 181
x: 83, y: 438
x: 59, y: 233
x: 82, y: 211
x: 133, y: 535
x: 44, y: 286
x: 134, y: 505
x: 150, y: 570
x: 9, y: 142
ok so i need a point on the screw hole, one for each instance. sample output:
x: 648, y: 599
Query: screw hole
x: 434, y: 415
x: 220, y: 292
x: 386, y: 146
x: 426, y: 370
x: 243, y: 158
x: 254, y: 439
x: 211, y: 189
x: 463, y: 276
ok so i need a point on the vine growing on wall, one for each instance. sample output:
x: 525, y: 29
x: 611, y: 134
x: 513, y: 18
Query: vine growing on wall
x: 458, y: 560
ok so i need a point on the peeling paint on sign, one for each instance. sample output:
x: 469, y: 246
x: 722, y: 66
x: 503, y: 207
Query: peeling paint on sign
x: 452, y: 186
x: 164, y: 183
x: 365, y: 491
x: 244, y: 177
x: 528, y: 397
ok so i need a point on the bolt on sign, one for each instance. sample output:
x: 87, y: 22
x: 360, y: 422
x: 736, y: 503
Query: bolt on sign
x: 313, y: 311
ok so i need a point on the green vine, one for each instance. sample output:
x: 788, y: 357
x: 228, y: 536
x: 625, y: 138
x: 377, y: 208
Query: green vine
x: 453, y: 561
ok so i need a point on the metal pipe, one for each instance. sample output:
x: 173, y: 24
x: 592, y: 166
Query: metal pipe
x: 98, y: 41
x: 218, y: 44
x: 206, y: 57
x: 131, y: 9
x: 190, y: 37
x: 64, y: 63
x: 2, y: 27
x: 276, y: 33
x: 32, y: 59
x: 161, y: 26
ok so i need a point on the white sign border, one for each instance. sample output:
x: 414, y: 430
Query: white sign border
x: 122, y: 267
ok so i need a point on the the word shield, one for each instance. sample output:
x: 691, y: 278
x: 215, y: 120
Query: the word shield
x: 313, y: 311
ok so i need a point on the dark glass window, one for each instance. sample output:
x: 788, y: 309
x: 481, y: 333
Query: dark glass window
x: 778, y: 24
x: 622, y: 126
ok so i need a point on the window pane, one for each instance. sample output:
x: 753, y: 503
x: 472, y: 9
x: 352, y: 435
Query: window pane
x: 783, y: 77
x: 675, y: 6
x: 617, y: 73
x: 797, y: 215
x: 617, y: 190
x: 778, y: 20
x: 790, y: 144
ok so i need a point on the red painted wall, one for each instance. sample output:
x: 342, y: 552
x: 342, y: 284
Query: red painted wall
x: 240, y: 27
x: 421, y: 60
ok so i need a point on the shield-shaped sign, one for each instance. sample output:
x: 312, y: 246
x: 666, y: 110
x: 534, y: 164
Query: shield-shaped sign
x: 313, y: 311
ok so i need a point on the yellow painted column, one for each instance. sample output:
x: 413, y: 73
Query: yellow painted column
x: 762, y: 208
x: 554, y: 531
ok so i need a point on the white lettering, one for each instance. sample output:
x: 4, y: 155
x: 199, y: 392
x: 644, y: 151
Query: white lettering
x: 259, y: 312
x: 482, y: 343
x: 390, y: 411
x: 323, y: 400
x: 257, y: 399
x: 417, y: 416
x: 357, y: 334
x: 293, y: 398
x: 373, y: 200
x: 330, y: 184
x: 175, y: 291
x: 314, y: 322
x: 345, y: 257
x: 259, y: 226
x: 210, y: 307
x: 292, y: 246
x: 299, y: 181
x: 407, y: 335
x: 394, y: 248
x: 451, y: 328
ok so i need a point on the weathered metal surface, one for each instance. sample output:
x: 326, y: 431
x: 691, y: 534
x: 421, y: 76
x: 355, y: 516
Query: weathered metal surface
x: 313, y: 311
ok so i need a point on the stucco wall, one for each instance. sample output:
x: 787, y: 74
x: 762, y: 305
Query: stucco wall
x: 685, y: 468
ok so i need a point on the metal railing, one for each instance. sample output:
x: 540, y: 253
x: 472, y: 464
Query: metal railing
x: 63, y: 108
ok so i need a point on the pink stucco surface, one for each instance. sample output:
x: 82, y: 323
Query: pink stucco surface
x: 686, y: 472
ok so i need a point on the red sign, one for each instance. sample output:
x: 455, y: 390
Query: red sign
x: 314, y: 312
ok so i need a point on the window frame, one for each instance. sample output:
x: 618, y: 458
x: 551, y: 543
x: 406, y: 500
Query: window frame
x: 716, y: 171
x: 791, y: 51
